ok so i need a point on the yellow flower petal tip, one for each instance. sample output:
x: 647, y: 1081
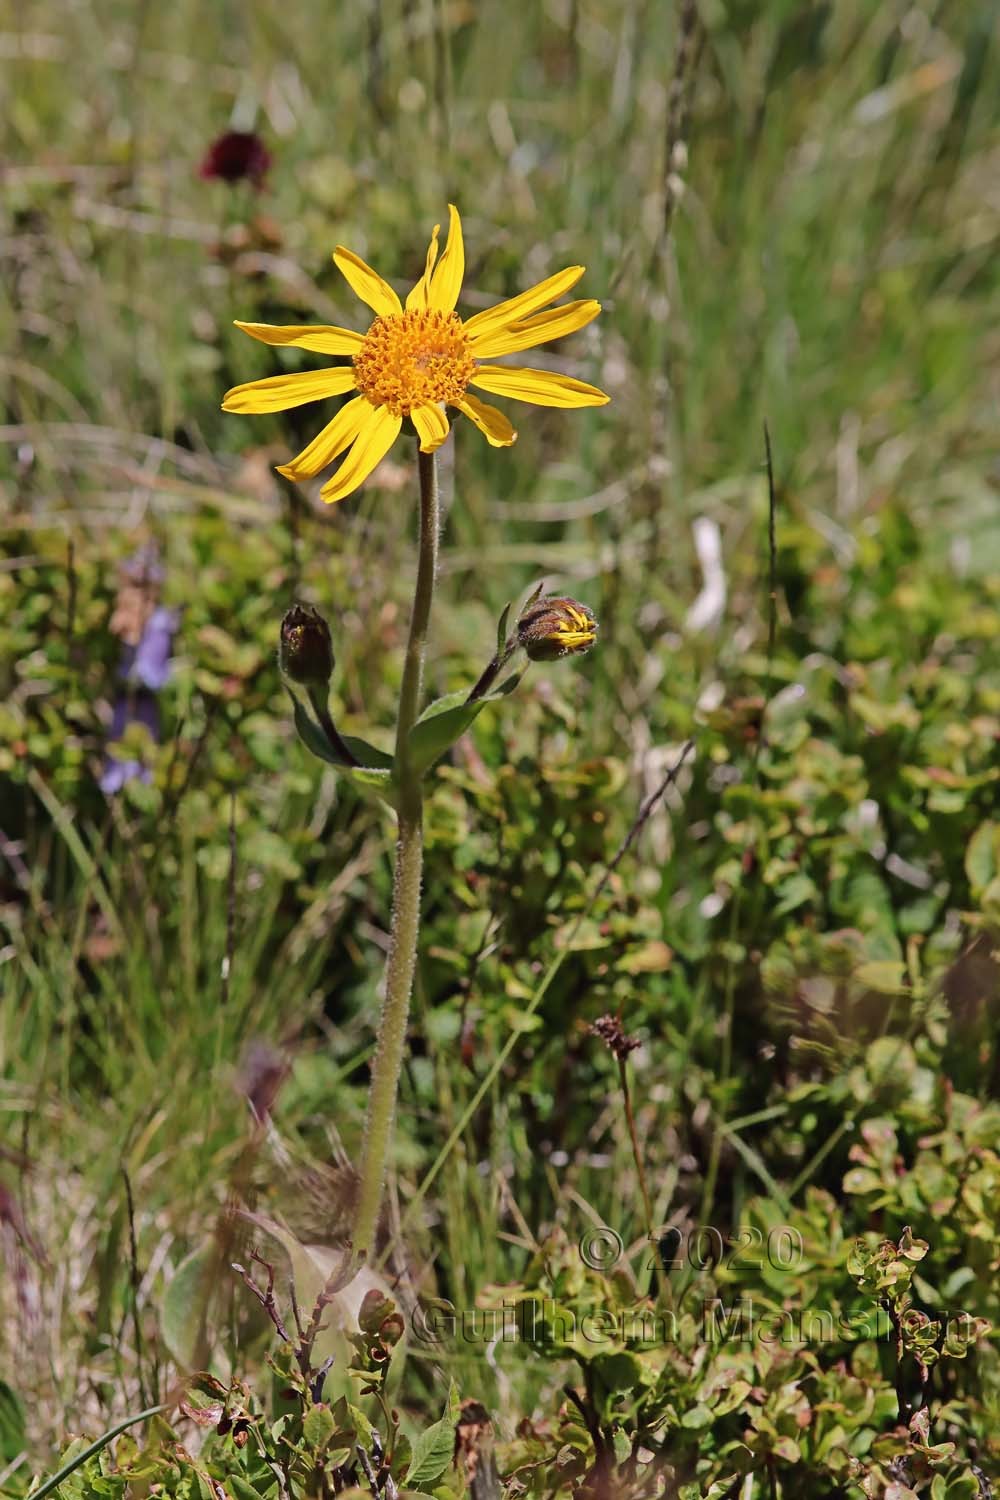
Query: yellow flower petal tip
x: 415, y: 361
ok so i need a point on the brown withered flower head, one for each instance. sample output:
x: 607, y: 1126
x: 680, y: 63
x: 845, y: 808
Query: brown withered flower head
x: 556, y: 626
x: 305, y: 653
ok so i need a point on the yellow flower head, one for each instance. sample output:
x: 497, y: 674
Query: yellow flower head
x: 556, y: 626
x: 416, y: 360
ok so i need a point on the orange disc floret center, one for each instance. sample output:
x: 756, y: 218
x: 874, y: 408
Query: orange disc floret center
x: 412, y: 359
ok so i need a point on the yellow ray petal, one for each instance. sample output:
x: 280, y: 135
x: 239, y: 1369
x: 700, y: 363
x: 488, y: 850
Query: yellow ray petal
x: 446, y: 283
x: 334, y: 438
x: 418, y: 295
x: 366, y: 283
x: 516, y: 308
x: 373, y: 442
x: 556, y: 323
x: 432, y: 426
x: 542, y: 387
x: 282, y: 392
x: 491, y: 423
x: 321, y: 338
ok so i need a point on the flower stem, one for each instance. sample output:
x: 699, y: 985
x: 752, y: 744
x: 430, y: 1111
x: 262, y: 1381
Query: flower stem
x: 405, y: 925
x: 333, y: 736
x: 493, y: 671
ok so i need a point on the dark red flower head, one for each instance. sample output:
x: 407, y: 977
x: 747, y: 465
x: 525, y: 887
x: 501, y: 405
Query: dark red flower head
x: 236, y: 156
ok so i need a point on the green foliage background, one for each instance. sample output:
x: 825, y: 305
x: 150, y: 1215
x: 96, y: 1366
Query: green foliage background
x: 802, y: 936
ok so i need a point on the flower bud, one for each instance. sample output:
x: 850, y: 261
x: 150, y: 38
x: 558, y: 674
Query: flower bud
x: 555, y: 627
x: 305, y: 654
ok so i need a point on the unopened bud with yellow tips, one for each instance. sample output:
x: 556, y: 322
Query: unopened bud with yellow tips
x: 305, y: 652
x: 556, y: 626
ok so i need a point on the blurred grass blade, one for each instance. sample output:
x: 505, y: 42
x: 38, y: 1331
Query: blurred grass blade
x: 74, y: 843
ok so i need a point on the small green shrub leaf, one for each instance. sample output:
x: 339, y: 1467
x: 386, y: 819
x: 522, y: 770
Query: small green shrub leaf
x: 432, y: 1453
x: 318, y: 1426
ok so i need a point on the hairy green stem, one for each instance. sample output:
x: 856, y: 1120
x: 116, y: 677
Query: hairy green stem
x: 405, y: 925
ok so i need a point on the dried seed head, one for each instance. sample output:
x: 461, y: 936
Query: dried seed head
x: 614, y: 1036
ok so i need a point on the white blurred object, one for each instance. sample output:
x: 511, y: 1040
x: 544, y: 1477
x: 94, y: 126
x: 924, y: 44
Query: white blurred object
x: 708, y: 608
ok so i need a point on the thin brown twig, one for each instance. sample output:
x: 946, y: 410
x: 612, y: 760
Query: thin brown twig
x: 647, y: 1202
x: 642, y: 818
x: 266, y: 1297
x: 337, y: 1279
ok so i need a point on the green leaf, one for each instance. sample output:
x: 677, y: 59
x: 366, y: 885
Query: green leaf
x: 370, y: 757
x: 402, y: 1453
x: 12, y: 1441
x: 982, y: 857
x: 182, y: 1313
x: 533, y: 597
x: 697, y: 1417
x: 735, y: 1395
x: 616, y: 1371
x: 241, y: 1488
x: 432, y: 1453
x: 363, y: 1429
x: 798, y: 890
x: 312, y: 736
x: 502, y: 627
x: 862, y: 1180
x: 318, y: 1426
x: 884, y: 975
x: 373, y: 780
x: 446, y: 720
x: 965, y: 1487
x: 315, y: 740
